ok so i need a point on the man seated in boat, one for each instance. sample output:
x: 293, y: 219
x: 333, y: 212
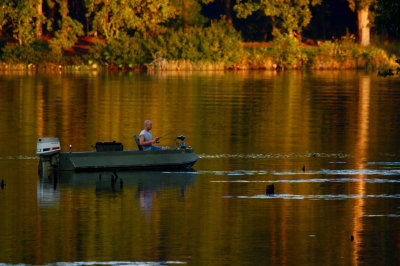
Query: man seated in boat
x: 146, y: 138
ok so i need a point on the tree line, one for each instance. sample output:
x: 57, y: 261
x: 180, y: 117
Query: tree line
x: 165, y: 22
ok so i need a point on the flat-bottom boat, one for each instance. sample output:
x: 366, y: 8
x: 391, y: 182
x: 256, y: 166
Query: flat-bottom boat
x: 110, y: 155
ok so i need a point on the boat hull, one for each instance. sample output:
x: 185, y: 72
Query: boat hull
x: 129, y: 160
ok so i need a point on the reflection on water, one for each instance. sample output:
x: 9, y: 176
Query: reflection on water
x: 114, y: 263
x: 275, y: 155
x: 316, y: 197
x: 328, y: 141
x: 146, y: 184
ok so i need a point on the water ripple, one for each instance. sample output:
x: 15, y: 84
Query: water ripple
x: 385, y: 171
x: 344, y: 172
x: 276, y: 155
x: 317, y: 197
x: 382, y: 215
x: 122, y: 263
x: 316, y: 180
x: 19, y: 157
x: 382, y: 163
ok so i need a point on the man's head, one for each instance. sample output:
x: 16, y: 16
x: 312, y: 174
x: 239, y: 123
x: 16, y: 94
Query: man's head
x: 148, y: 125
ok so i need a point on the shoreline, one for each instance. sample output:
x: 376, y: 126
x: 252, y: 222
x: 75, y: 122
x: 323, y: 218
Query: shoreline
x: 329, y: 56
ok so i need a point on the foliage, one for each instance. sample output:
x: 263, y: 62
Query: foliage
x: 216, y: 43
x: 35, y: 53
x: 346, y: 53
x: 360, y: 4
x: 389, y: 71
x: 288, y: 16
x: 188, y: 12
x: 5, y: 10
x: 22, y: 17
x: 66, y: 36
x: 287, y: 52
x: 176, y: 32
x: 114, y: 18
x: 125, y: 51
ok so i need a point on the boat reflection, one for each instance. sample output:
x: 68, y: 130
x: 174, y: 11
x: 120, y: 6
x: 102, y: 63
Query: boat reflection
x: 143, y: 184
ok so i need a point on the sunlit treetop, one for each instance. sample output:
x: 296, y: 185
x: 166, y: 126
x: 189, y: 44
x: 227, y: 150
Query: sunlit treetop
x: 113, y: 17
x: 288, y: 16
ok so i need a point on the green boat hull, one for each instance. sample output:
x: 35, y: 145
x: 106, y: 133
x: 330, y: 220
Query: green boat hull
x: 129, y: 160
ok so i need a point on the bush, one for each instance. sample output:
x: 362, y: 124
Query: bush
x: 287, y: 52
x: 35, y: 53
x: 126, y: 51
x: 347, y: 54
x: 216, y: 43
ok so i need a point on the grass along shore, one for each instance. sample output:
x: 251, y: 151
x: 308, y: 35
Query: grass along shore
x: 284, y: 53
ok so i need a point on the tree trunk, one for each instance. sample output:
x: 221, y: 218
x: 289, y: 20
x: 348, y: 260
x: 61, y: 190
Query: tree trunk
x: 185, y: 14
x: 363, y: 26
x: 228, y: 12
x: 39, y: 22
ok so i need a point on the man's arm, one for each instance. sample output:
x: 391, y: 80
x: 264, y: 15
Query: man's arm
x: 143, y: 143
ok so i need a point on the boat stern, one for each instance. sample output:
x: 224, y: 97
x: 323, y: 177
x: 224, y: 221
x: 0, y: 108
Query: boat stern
x: 47, y: 146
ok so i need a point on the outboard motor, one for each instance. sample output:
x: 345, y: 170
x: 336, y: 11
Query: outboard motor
x: 47, y: 146
x: 48, y: 149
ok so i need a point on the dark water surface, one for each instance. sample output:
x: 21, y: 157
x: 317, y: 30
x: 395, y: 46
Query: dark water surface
x: 251, y: 129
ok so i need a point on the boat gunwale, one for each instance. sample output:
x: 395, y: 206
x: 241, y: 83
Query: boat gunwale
x: 155, y: 152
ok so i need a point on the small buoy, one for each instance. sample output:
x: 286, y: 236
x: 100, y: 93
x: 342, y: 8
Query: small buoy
x: 351, y: 238
x: 270, y: 189
x: 2, y: 184
x: 304, y: 168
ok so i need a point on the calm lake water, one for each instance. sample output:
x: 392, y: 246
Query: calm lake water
x: 329, y: 142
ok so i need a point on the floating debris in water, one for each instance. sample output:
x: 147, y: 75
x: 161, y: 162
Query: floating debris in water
x: 270, y: 189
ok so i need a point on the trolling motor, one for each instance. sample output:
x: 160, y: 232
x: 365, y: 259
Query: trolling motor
x: 182, y: 145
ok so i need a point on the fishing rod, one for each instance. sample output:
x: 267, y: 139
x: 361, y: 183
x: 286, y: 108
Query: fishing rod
x: 167, y: 134
x: 164, y: 135
x: 175, y: 140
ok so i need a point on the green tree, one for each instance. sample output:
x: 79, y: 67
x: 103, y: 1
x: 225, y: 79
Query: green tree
x: 115, y: 18
x: 68, y: 29
x: 189, y: 12
x: 5, y: 8
x: 288, y: 16
x: 362, y: 7
x: 23, y: 17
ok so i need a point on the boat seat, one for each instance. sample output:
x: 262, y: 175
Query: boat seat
x: 136, y: 138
